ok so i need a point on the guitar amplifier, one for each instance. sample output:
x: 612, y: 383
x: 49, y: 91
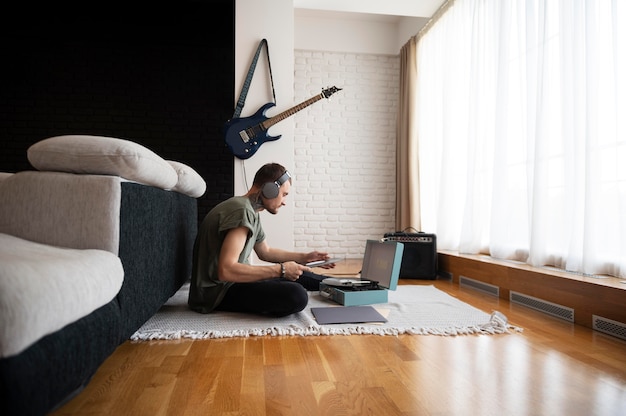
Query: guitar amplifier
x: 419, y: 260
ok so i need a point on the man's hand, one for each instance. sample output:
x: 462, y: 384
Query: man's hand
x: 294, y: 270
x: 319, y: 256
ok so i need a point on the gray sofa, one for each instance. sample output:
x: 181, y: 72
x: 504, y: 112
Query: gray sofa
x: 86, y: 259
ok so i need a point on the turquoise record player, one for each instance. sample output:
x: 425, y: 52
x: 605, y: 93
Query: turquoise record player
x: 379, y: 274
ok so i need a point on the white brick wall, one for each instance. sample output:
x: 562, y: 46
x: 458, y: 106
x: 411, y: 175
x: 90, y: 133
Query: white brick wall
x: 345, y: 148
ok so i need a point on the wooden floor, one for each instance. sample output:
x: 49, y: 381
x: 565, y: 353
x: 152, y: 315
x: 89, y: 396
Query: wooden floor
x: 552, y: 368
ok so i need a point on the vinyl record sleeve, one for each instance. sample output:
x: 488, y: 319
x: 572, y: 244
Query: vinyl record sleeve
x: 347, y: 315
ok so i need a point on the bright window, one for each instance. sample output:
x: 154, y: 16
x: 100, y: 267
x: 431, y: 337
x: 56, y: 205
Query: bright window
x: 521, y: 128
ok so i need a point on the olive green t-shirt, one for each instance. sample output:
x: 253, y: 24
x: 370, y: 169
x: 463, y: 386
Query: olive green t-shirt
x: 206, y: 290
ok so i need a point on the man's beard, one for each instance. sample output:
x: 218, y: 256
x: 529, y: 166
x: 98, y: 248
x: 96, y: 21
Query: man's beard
x: 258, y: 204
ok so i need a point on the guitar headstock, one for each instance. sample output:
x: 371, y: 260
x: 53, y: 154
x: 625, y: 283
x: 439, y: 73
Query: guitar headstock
x: 330, y: 91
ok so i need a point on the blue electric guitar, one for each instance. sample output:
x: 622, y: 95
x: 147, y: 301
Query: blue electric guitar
x: 245, y: 135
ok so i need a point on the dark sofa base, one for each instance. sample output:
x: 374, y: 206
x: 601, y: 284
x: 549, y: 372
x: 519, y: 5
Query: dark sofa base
x: 157, y: 231
x: 37, y: 379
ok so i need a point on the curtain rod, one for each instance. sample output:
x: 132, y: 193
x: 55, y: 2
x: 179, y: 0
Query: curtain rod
x: 440, y: 12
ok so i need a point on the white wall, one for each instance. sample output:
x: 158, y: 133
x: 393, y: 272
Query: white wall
x: 332, y: 33
x: 272, y: 20
x: 345, y: 151
x: 341, y: 152
x: 347, y: 32
x: 408, y: 27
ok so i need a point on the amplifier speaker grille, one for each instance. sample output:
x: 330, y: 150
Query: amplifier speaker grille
x: 419, y: 259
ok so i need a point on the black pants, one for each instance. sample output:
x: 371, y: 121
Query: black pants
x: 276, y: 297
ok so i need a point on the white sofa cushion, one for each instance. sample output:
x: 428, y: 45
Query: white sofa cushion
x: 189, y: 181
x: 44, y: 288
x: 102, y: 156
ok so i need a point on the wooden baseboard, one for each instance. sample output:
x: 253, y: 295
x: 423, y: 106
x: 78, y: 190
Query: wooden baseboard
x: 586, y: 295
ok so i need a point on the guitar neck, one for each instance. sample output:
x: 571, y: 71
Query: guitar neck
x: 293, y: 110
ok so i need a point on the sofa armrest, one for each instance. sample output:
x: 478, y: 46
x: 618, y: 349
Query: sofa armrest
x: 62, y: 209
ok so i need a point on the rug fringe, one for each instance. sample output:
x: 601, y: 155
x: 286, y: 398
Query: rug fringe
x: 498, y: 324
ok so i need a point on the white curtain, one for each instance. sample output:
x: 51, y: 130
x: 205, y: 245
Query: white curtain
x: 522, y: 131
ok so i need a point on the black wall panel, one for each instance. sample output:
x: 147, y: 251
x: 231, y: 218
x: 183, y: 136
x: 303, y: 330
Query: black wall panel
x: 158, y: 73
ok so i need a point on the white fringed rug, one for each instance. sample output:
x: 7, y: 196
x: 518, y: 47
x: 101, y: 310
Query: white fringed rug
x: 412, y: 309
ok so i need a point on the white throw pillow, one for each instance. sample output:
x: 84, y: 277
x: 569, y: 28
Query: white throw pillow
x: 189, y: 181
x: 99, y: 155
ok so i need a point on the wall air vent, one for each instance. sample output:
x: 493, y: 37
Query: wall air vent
x: 541, y: 305
x: 610, y: 327
x: 478, y: 285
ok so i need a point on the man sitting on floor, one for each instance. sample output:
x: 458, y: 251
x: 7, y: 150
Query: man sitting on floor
x: 222, y: 276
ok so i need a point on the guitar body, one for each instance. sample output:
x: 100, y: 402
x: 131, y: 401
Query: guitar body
x: 245, y: 135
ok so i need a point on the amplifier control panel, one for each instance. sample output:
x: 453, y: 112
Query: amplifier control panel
x: 409, y: 238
